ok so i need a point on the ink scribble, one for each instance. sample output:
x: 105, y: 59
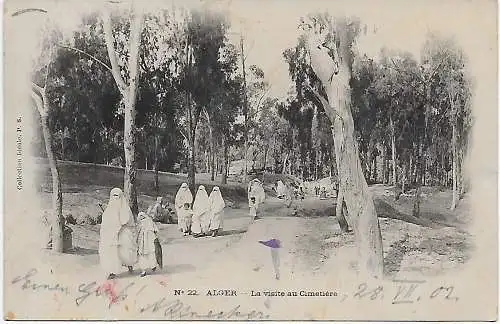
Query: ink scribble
x: 23, y: 11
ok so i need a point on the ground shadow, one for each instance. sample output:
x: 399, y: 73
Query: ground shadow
x: 167, y: 269
x: 442, y: 219
x: 386, y: 210
x: 82, y: 251
x: 394, y: 257
x: 232, y: 232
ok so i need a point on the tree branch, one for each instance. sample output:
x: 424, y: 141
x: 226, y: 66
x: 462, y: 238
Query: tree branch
x: 324, y: 101
x: 184, y: 135
x: 37, y: 88
x: 47, y: 71
x: 38, y: 103
x: 135, y: 44
x: 88, y: 55
x: 115, y: 68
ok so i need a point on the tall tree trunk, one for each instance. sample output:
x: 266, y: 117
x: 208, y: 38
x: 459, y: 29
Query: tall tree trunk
x: 245, y: 107
x: 191, y: 150
x: 403, y: 177
x: 225, y: 161
x: 410, y: 169
x: 191, y: 165
x: 285, y: 160
x: 393, y: 150
x: 266, y: 149
x: 57, y: 220
x: 357, y: 196
x: 129, y: 141
x: 384, y: 163
x: 212, y: 150
x: 341, y: 209
x: 157, y: 183
x: 129, y: 94
x: 454, y: 166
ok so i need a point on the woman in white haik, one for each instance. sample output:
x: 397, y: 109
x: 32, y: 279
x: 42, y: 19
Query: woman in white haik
x: 256, y: 197
x: 201, y: 213
x: 217, y: 205
x: 117, y: 241
x: 182, y: 198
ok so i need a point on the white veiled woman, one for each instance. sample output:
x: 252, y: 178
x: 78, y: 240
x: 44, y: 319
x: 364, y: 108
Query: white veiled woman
x: 201, y: 213
x: 217, y: 205
x: 281, y: 189
x: 183, y: 197
x: 256, y: 191
x: 117, y: 241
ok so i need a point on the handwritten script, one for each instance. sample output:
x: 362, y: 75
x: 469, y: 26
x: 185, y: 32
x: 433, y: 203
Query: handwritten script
x: 403, y: 291
x: 114, y: 292
x: 27, y: 283
x: 177, y: 310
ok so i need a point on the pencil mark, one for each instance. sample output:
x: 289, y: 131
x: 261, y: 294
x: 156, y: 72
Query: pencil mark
x: 23, y: 11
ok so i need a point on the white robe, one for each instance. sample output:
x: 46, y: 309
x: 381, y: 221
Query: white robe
x: 201, y: 212
x: 281, y: 189
x: 217, y: 205
x: 182, y: 197
x: 256, y: 190
x: 117, y: 241
x: 146, y: 243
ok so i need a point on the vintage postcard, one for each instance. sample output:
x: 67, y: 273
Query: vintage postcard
x: 250, y: 160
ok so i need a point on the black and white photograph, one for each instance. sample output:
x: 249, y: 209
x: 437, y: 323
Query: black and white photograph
x: 250, y: 160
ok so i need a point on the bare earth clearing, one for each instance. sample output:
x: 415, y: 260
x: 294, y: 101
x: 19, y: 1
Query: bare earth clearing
x: 431, y: 244
x: 312, y: 245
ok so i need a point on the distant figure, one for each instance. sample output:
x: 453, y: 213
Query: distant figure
x: 201, y: 213
x: 217, y: 205
x: 322, y: 194
x: 253, y: 209
x: 184, y: 213
x: 117, y: 243
x: 316, y: 190
x: 160, y: 211
x: 280, y: 189
x: 148, y: 234
x: 256, y: 191
x: 336, y: 188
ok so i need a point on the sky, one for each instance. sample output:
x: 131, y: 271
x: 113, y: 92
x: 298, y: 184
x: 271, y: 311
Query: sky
x: 269, y: 27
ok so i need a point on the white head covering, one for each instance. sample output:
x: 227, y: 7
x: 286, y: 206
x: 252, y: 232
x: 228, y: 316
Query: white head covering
x: 201, y: 203
x: 117, y: 212
x: 145, y: 221
x: 183, y: 196
x: 217, y: 204
x: 256, y: 190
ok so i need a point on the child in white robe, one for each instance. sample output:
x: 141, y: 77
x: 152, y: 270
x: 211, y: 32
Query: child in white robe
x: 185, y: 219
x: 148, y: 233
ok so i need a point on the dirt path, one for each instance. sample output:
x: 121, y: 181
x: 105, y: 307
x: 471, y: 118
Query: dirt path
x: 314, y: 255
